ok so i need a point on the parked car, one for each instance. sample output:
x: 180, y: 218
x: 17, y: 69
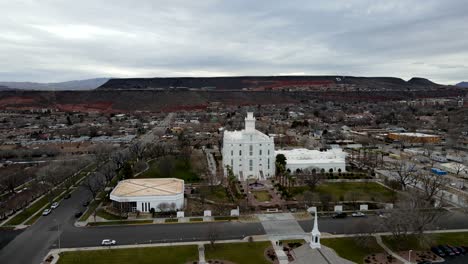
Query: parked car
x: 358, y: 214
x: 108, y: 242
x: 78, y: 214
x: 68, y: 195
x: 86, y: 203
x: 462, y: 250
x: 447, y: 251
x: 54, y: 205
x: 46, y: 211
x: 438, y: 251
x: 340, y: 215
x: 454, y: 249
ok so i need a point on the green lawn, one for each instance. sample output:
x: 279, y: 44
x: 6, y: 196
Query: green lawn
x: 348, y: 248
x: 262, y: 196
x: 148, y: 255
x: 92, y: 206
x: 214, y: 193
x: 349, y: 191
x: 245, y: 253
x: 108, y: 216
x: 415, y: 243
x: 177, y: 169
x: 196, y: 219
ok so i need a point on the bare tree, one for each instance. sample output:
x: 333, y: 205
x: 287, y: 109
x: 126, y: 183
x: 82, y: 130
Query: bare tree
x: 102, y: 152
x: 325, y: 199
x: 119, y: 158
x: 108, y: 170
x: 431, y: 185
x: 10, y: 182
x: 213, y: 234
x: 137, y: 149
x: 311, y: 177
x: 411, y: 216
x: 94, y: 183
x: 403, y: 171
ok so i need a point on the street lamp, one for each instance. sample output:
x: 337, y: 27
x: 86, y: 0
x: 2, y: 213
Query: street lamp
x: 409, y: 255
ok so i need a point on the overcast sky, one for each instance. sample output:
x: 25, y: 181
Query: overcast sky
x: 47, y: 41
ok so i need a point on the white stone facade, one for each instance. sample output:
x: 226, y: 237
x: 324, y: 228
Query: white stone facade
x: 249, y: 152
x: 301, y: 159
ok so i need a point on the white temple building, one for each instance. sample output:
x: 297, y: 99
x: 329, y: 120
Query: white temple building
x: 301, y: 158
x: 249, y: 152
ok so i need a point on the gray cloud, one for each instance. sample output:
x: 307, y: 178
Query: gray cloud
x: 61, y: 40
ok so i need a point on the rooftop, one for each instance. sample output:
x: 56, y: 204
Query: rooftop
x: 302, y: 155
x: 408, y: 134
x: 148, y: 187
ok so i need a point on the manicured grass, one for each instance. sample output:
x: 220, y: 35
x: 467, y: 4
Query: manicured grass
x: 262, y: 196
x: 245, y: 253
x: 108, y: 216
x: 196, y: 219
x: 149, y: 255
x: 214, y: 193
x: 181, y: 170
x: 134, y: 222
x: 226, y: 218
x: 349, y: 248
x: 369, y: 191
x: 92, y: 206
x: 171, y: 220
x: 416, y: 243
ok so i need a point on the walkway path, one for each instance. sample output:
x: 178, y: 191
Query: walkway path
x: 388, y: 250
x: 281, y: 225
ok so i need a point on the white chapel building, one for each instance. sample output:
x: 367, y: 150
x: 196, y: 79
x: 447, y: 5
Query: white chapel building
x: 249, y: 152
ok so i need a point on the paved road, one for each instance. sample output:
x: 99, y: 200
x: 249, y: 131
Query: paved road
x: 33, y: 244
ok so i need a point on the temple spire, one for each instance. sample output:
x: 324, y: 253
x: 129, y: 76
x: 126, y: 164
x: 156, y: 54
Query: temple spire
x: 315, y: 241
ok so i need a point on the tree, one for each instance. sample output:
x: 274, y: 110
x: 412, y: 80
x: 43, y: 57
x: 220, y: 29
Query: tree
x: 411, y: 217
x: 325, y: 199
x: 213, y: 234
x: 163, y: 207
x: 431, y: 186
x: 403, y: 171
x: 308, y: 198
x: 312, y: 178
x: 137, y: 149
x: 108, y: 170
x: 127, y: 171
x: 94, y: 183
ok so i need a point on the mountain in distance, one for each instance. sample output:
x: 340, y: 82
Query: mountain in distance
x: 77, y: 85
x: 4, y: 88
x: 462, y: 84
x: 259, y: 83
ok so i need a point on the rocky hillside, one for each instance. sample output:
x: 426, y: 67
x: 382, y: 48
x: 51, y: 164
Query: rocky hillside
x: 268, y: 83
x: 148, y: 100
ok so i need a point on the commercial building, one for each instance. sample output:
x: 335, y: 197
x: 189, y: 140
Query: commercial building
x: 162, y: 194
x: 249, y: 152
x: 301, y: 159
x: 414, y: 137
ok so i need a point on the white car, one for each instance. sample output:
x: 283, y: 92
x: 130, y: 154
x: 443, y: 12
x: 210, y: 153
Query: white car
x: 108, y: 242
x: 358, y: 214
x: 54, y: 205
x: 46, y: 211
